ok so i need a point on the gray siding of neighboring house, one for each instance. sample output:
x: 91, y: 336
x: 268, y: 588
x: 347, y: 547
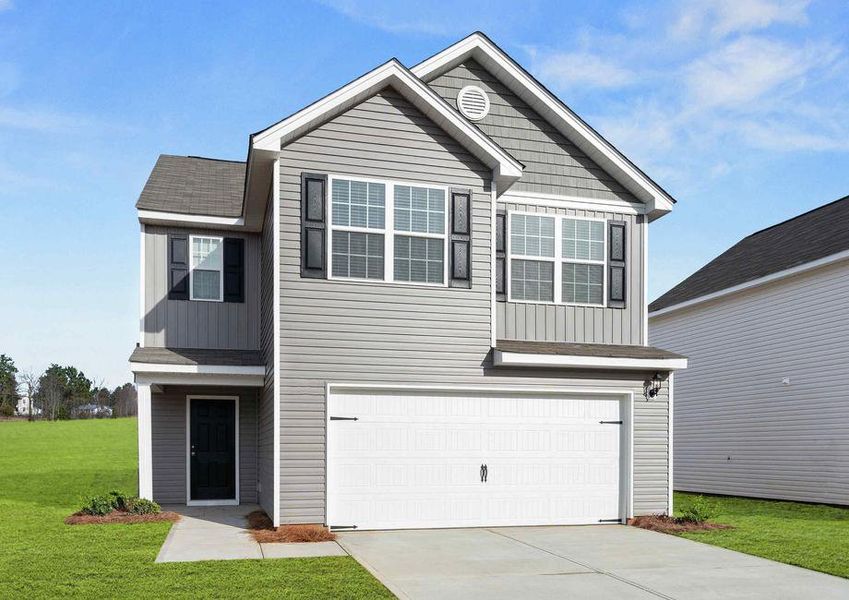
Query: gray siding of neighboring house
x: 266, y: 395
x: 582, y: 324
x: 738, y: 429
x: 192, y: 324
x: 553, y: 165
x: 168, y: 412
x: 339, y: 332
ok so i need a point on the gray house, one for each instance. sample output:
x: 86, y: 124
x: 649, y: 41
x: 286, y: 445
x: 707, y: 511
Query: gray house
x: 763, y: 410
x: 419, y: 303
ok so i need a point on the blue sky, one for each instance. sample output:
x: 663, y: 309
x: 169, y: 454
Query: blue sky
x: 739, y: 108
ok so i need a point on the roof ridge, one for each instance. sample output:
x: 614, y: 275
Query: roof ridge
x: 780, y: 223
x: 241, y: 162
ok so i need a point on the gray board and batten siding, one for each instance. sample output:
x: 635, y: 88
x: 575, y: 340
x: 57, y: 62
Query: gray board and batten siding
x: 391, y: 333
x: 195, y: 324
x: 168, y: 431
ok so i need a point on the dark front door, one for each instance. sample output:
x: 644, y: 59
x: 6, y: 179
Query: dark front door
x: 212, y: 449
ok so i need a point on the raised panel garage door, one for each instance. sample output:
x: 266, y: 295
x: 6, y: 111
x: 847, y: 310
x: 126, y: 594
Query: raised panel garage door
x: 420, y: 460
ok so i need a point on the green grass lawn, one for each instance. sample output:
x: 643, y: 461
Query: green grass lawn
x: 45, y: 469
x: 813, y: 536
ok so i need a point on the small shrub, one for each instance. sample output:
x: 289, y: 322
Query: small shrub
x: 699, y: 511
x: 142, y: 506
x: 7, y: 410
x: 98, y: 505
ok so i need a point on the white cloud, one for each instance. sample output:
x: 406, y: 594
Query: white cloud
x: 403, y: 17
x: 747, y: 69
x: 724, y: 17
x: 570, y: 69
x: 6, y: 5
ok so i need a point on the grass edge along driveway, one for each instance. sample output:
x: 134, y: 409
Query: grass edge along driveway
x: 45, y: 470
x: 813, y: 536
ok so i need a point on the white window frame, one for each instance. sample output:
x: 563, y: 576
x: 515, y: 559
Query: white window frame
x: 558, y: 260
x: 192, y: 269
x: 388, y: 232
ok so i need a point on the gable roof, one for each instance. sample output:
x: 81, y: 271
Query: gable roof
x: 809, y: 237
x: 479, y: 47
x: 392, y: 73
x: 193, y: 185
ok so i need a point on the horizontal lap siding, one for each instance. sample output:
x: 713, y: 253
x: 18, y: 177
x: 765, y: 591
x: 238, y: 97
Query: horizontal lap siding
x: 168, y: 417
x: 192, y: 324
x: 784, y: 441
x: 553, y: 164
x: 590, y: 325
x: 340, y: 332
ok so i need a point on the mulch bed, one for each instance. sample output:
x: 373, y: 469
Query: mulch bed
x: 118, y: 516
x: 665, y: 524
x: 264, y: 532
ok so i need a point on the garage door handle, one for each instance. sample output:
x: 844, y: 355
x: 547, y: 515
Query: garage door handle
x: 484, y: 473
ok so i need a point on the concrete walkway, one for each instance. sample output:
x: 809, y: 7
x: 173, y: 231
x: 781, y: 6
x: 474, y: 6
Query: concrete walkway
x: 220, y: 533
x: 596, y: 562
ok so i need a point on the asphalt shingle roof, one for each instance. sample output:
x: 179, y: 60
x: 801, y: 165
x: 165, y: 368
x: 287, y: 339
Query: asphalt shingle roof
x: 570, y: 349
x: 810, y: 236
x: 194, y: 185
x: 197, y: 356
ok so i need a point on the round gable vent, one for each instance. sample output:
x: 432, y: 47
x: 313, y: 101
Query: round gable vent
x: 473, y: 102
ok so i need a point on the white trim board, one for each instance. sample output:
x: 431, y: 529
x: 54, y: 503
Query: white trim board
x: 814, y: 264
x: 626, y: 470
x: 396, y: 75
x: 215, y: 502
x: 517, y: 359
x: 137, y: 367
x: 506, y: 70
x: 145, y: 440
x: 142, y: 276
x: 152, y: 378
x: 619, y: 207
x: 275, y: 211
x: 156, y: 217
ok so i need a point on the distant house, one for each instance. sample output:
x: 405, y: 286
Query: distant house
x: 23, y: 406
x: 763, y: 409
x: 91, y: 411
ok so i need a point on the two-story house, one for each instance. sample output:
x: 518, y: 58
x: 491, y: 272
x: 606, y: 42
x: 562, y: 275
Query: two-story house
x: 420, y: 302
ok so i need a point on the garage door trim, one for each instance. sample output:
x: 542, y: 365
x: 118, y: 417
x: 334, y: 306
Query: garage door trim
x: 626, y: 466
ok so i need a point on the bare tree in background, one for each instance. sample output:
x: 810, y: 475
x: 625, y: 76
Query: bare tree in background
x: 125, y: 401
x: 28, y: 382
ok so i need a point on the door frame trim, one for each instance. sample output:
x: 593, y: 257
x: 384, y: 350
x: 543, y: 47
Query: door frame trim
x: 626, y: 440
x: 214, y: 502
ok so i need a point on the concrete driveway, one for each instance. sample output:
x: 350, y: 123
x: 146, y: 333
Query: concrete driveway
x: 596, y: 562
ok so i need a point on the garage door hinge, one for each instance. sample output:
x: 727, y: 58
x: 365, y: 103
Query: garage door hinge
x: 344, y: 419
x: 334, y: 527
x: 604, y: 422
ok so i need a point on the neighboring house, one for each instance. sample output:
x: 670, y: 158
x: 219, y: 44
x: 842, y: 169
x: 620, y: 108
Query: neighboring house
x: 419, y: 303
x: 91, y: 411
x: 23, y: 406
x: 763, y: 409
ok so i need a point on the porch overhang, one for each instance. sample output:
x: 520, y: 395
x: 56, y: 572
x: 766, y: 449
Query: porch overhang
x: 516, y: 353
x: 186, y: 366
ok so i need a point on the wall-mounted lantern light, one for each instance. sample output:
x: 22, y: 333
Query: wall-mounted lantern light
x: 652, y: 387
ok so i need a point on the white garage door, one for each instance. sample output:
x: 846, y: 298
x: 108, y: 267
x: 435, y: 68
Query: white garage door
x: 418, y: 460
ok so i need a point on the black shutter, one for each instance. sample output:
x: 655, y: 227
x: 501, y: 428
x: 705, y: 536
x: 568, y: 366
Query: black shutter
x: 178, y: 267
x: 617, y: 257
x: 234, y: 270
x: 501, y: 256
x: 460, y: 239
x: 313, y: 225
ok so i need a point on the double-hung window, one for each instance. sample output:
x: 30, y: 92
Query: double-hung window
x: 387, y: 231
x: 555, y: 259
x: 359, y: 220
x: 583, y: 262
x: 206, y: 280
x: 532, y: 257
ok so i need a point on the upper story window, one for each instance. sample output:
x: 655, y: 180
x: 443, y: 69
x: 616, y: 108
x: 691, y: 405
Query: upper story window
x: 556, y: 259
x: 382, y: 230
x: 206, y: 281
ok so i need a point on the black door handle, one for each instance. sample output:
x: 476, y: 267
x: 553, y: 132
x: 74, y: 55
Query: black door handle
x: 484, y: 473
